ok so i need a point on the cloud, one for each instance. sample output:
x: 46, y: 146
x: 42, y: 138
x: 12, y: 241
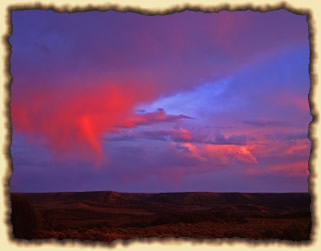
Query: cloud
x: 290, y: 169
x: 224, y: 69
x: 178, y: 135
x: 298, y: 101
x: 74, y: 119
x: 152, y: 118
x: 224, y: 42
x: 242, y: 154
x: 222, y: 154
x: 181, y: 134
x: 174, y: 134
x: 301, y: 146
x: 220, y: 139
x: 299, y: 168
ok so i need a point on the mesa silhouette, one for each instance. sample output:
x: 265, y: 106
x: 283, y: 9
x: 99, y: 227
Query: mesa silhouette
x: 108, y: 216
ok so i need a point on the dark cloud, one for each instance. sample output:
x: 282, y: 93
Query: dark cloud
x: 150, y: 118
x: 181, y: 135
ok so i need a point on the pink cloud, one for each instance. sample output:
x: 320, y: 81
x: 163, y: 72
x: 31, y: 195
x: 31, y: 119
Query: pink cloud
x: 298, y: 168
x: 282, y: 148
x: 297, y: 101
x: 294, y: 158
x: 224, y: 154
x: 193, y: 151
x: 299, y: 146
x: 75, y: 119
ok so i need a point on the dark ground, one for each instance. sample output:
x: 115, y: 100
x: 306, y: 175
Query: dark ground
x: 107, y: 216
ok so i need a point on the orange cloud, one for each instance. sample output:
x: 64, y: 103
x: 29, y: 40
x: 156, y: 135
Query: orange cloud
x: 241, y: 153
x: 223, y: 153
x: 193, y: 151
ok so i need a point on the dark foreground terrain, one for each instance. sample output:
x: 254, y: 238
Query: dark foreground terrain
x: 107, y: 216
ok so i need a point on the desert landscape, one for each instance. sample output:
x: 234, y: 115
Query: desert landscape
x: 108, y: 216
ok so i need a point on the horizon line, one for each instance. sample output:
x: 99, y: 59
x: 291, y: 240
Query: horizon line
x: 112, y: 191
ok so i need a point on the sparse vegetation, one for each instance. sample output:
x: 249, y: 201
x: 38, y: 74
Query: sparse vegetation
x: 76, y: 216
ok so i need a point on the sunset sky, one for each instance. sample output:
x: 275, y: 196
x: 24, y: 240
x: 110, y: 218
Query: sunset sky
x: 189, y: 101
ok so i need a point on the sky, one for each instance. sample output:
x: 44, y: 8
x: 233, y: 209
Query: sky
x: 184, y: 102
